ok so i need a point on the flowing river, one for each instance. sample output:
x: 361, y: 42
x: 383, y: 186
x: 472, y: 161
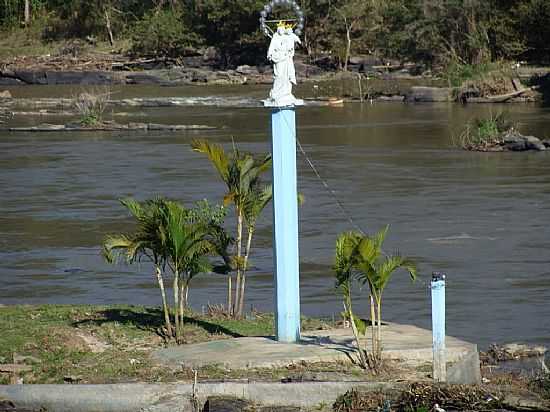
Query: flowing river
x: 481, y: 218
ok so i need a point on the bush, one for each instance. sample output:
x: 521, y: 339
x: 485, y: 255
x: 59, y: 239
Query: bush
x: 483, y: 132
x: 91, y: 106
x: 163, y: 33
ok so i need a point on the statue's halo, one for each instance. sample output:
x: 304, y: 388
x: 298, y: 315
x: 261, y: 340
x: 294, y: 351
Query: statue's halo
x: 268, y: 8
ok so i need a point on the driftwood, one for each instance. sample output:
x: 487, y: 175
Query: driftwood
x: 109, y: 127
x: 502, y: 98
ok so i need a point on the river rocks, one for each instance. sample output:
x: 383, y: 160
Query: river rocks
x: 516, y: 142
x: 429, y: 94
x: 534, y: 143
x: 109, y: 126
x: 546, y: 143
x: 512, y: 141
x: 5, y: 94
x: 143, y: 78
x: 246, y: 69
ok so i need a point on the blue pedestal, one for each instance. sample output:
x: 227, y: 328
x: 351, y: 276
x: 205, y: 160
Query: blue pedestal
x: 285, y: 231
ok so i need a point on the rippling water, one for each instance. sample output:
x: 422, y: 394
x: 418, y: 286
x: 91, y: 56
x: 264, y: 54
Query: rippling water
x: 480, y: 217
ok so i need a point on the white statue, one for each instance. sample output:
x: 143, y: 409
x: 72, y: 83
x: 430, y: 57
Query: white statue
x: 281, y: 53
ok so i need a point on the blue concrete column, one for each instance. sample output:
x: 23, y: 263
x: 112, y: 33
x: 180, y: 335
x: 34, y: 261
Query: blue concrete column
x: 438, y: 327
x: 285, y: 221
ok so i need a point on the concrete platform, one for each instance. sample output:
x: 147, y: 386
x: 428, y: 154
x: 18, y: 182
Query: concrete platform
x: 406, y: 343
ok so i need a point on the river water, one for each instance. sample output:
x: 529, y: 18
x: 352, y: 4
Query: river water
x: 482, y: 218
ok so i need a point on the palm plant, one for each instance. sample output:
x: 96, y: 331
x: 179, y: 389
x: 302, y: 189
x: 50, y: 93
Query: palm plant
x: 172, y: 236
x: 255, y: 204
x: 241, y: 172
x: 186, y: 247
x: 144, y: 243
x: 346, y: 244
x: 360, y: 257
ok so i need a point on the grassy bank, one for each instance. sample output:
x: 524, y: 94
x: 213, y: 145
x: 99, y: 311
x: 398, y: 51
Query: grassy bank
x: 102, y: 344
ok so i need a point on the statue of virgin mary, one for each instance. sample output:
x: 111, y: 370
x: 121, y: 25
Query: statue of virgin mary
x: 281, y: 54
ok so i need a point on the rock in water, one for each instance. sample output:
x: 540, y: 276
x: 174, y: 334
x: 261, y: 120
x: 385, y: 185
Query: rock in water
x: 546, y: 142
x: 5, y: 94
x: 534, y: 143
x: 518, y: 146
x: 429, y: 94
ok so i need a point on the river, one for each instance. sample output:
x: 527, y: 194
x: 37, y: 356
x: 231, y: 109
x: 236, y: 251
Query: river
x: 482, y: 218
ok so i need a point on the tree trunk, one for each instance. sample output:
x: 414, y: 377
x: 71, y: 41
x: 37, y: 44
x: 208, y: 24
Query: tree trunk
x: 176, y: 305
x: 229, y: 297
x: 108, y: 25
x: 182, y: 303
x: 245, y: 267
x: 362, y: 355
x: 239, y: 254
x: 373, y: 324
x: 27, y: 12
x: 348, y: 46
x: 379, y: 335
x: 186, y: 295
x: 164, y: 303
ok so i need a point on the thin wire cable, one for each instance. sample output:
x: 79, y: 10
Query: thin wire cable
x: 328, y: 189
x: 331, y: 192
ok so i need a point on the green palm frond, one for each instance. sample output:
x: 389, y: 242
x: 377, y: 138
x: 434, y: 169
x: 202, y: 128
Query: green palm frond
x: 255, y: 203
x: 216, y: 154
x: 115, y: 246
x: 134, y: 207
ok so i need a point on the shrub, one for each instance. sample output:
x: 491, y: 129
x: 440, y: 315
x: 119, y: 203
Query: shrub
x: 483, y: 132
x: 163, y: 33
x: 91, y: 106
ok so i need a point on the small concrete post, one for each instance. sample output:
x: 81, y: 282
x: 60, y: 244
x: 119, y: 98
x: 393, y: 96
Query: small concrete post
x: 285, y: 220
x: 438, y: 327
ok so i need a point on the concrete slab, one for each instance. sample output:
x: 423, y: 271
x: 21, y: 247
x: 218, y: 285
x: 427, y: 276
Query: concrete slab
x: 407, y: 343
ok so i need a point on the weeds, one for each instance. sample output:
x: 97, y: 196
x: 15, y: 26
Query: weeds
x: 91, y: 106
x: 541, y: 384
x: 483, y: 133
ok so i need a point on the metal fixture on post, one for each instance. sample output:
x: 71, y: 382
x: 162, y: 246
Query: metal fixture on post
x: 438, y: 327
x: 285, y: 195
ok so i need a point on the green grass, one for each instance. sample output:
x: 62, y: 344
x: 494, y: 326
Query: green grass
x: 483, y: 133
x: 457, y: 73
x: 50, y: 339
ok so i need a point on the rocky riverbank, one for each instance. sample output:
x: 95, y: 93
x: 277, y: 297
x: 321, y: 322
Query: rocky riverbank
x: 109, y: 126
x: 369, y: 78
x: 511, y: 141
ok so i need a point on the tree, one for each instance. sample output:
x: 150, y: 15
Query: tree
x: 351, y: 15
x: 145, y: 242
x: 360, y: 257
x: 170, y: 235
x: 27, y: 12
x: 186, y: 247
x: 241, y: 172
x: 257, y: 200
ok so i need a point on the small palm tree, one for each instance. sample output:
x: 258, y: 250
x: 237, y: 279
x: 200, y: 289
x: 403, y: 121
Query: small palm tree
x: 255, y: 204
x: 344, y: 267
x: 144, y: 243
x: 172, y: 236
x: 360, y: 257
x: 241, y: 172
x: 186, y: 247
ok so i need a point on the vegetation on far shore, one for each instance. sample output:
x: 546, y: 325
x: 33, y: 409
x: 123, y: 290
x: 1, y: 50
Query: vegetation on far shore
x: 457, y: 37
